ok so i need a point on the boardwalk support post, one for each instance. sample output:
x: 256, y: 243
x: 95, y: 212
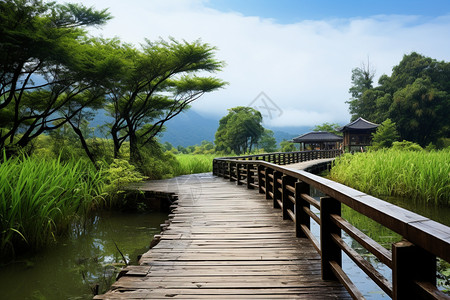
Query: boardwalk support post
x: 250, y: 178
x: 411, y: 264
x: 287, y: 203
x: 261, y: 179
x: 276, y: 189
x: 238, y: 174
x: 269, y: 183
x: 330, y: 250
x: 301, y: 217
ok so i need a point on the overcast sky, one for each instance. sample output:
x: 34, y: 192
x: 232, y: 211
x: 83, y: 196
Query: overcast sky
x: 297, y: 56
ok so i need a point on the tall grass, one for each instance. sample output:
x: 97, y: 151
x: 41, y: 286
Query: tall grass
x: 39, y: 200
x: 193, y: 163
x: 420, y: 175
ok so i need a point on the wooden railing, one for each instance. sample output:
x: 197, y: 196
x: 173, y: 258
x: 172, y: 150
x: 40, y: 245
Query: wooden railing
x: 412, y: 260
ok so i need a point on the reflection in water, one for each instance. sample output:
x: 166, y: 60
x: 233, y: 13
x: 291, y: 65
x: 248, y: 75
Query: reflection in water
x: 85, y: 259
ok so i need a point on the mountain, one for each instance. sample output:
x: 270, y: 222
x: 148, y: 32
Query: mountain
x: 191, y: 128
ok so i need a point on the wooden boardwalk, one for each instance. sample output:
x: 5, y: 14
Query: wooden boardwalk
x: 224, y: 243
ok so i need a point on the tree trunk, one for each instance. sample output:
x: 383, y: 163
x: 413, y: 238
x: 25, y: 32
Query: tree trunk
x: 84, y: 144
x: 135, y: 156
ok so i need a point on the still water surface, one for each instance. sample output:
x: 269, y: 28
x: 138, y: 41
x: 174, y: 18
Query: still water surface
x: 88, y: 257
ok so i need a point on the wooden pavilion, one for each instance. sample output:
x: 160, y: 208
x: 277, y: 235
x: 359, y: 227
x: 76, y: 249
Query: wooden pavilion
x: 358, y: 135
x: 318, y: 140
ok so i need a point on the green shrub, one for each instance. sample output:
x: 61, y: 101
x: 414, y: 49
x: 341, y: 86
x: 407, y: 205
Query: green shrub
x: 155, y: 163
x: 119, y: 174
x: 385, y: 135
x: 406, y: 146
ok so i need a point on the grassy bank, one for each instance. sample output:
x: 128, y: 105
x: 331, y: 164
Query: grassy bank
x: 193, y: 163
x: 419, y: 175
x: 40, y: 199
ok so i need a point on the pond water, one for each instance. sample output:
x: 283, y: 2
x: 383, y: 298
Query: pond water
x: 86, y: 258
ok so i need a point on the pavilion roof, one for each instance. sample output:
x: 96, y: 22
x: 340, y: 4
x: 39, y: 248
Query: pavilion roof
x: 317, y: 137
x: 359, y: 124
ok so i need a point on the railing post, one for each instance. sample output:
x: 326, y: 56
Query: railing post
x: 230, y: 166
x: 330, y: 251
x: 301, y: 217
x: 226, y: 170
x: 287, y: 180
x: 261, y: 179
x: 410, y: 263
x: 269, y: 189
x: 238, y: 173
x: 250, y: 174
x: 276, y: 186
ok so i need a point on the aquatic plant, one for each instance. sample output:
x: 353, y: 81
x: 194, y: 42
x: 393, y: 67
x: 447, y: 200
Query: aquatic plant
x: 193, y: 163
x: 40, y: 199
x: 419, y: 175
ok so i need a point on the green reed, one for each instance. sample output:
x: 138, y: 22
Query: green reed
x: 418, y: 175
x: 40, y: 199
x: 193, y: 163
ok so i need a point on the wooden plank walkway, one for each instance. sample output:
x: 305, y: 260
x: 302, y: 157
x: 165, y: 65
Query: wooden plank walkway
x: 224, y: 242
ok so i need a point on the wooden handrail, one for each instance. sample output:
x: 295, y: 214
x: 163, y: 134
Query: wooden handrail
x: 413, y: 261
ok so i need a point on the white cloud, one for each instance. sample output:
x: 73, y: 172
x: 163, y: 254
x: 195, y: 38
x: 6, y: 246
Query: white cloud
x: 305, y: 68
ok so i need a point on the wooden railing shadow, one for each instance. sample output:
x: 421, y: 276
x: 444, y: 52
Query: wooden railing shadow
x: 412, y: 260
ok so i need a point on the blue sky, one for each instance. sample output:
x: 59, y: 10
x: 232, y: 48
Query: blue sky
x: 299, y: 54
x: 291, y: 11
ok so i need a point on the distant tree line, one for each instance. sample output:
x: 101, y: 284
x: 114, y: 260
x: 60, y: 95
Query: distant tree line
x: 416, y: 98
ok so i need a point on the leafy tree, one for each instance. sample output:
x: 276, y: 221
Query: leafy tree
x: 182, y: 149
x: 287, y: 146
x: 362, y: 81
x: 385, y: 135
x: 167, y: 146
x: 328, y: 127
x: 156, y: 84
x: 416, y: 97
x: 48, y: 73
x: 267, y: 141
x: 239, y: 130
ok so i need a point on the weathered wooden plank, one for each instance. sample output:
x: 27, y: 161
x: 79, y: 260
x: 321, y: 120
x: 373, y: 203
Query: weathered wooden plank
x: 225, y: 243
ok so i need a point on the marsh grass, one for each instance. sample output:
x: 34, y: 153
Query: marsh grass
x: 193, y: 163
x: 40, y: 199
x: 419, y: 175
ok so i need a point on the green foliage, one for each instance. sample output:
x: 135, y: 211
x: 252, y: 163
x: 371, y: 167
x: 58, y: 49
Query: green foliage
x: 329, y: 127
x: 193, y: 164
x: 155, y: 163
x: 385, y: 135
x: 267, y: 142
x: 118, y: 175
x: 40, y: 199
x: 46, y: 41
x: 157, y: 83
x: 406, y: 146
x: 415, y: 97
x: 287, y: 146
x: 239, y: 130
x: 419, y: 175
x: 362, y: 81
